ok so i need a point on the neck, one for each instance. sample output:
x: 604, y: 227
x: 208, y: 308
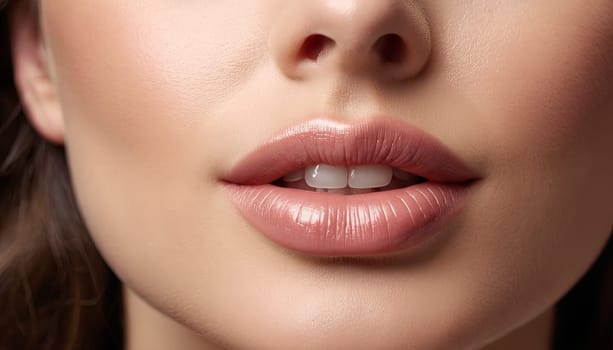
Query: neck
x: 148, y: 329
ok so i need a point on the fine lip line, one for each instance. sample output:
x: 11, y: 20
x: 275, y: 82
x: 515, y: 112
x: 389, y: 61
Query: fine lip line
x: 380, y: 140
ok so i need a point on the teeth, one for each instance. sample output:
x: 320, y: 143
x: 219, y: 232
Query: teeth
x: 341, y: 179
x: 370, y: 176
x: 295, y: 176
x: 326, y: 176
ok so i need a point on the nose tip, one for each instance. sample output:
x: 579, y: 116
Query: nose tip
x: 384, y: 39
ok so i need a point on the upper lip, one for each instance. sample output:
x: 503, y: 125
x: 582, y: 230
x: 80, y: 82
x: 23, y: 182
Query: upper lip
x: 377, y: 140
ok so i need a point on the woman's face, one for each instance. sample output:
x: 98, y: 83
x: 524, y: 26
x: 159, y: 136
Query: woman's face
x: 162, y: 99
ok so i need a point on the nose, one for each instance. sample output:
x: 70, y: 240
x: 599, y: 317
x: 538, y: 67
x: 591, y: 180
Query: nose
x: 387, y: 40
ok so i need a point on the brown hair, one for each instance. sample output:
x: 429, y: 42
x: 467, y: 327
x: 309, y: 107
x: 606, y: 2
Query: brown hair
x: 56, y: 292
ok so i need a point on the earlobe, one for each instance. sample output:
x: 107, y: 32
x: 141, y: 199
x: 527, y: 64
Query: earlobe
x: 32, y: 76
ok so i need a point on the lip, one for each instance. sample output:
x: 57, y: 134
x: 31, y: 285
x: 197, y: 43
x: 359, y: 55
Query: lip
x: 328, y: 224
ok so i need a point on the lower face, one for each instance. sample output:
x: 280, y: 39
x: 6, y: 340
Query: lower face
x: 170, y: 96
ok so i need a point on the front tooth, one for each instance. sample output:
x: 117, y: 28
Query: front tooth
x: 326, y: 176
x: 370, y: 176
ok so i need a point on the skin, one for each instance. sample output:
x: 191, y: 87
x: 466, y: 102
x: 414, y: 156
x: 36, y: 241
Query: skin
x: 156, y: 100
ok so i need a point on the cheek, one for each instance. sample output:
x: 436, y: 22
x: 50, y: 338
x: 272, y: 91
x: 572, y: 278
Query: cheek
x: 537, y: 77
x: 549, y: 113
x: 142, y: 86
x: 553, y: 94
x: 139, y: 85
x: 541, y: 91
x: 536, y: 87
x: 139, y: 75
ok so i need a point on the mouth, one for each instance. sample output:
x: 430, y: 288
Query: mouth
x: 329, y: 188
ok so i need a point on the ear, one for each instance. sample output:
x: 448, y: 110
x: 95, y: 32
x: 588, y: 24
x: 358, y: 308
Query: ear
x: 32, y: 76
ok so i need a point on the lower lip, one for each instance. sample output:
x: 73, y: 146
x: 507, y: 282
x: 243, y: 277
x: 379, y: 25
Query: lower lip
x: 328, y: 224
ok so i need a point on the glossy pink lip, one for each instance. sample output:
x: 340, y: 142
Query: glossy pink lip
x: 365, y: 224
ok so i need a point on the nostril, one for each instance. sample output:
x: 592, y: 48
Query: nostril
x: 391, y: 48
x: 315, y: 45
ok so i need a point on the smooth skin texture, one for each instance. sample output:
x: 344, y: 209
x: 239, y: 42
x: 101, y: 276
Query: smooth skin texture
x: 156, y: 100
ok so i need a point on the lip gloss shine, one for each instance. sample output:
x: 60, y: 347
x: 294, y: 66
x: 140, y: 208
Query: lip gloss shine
x: 329, y: 224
